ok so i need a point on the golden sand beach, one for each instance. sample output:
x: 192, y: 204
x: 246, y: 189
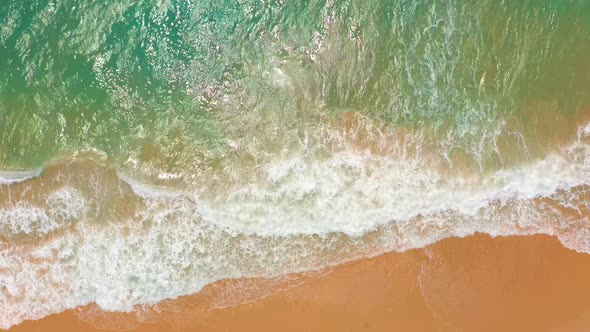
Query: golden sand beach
x: 478, y: 283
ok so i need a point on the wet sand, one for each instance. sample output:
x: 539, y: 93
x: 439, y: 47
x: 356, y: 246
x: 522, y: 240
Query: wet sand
x: 478, y: 283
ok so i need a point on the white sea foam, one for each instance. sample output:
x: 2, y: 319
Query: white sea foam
x: 300, y: 214
x: 354, y: 193
x: 10, y: 177
x: 60, y: 207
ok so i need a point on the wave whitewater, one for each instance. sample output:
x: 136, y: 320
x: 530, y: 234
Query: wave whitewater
x: 9, y: 177
x: 81, y: 232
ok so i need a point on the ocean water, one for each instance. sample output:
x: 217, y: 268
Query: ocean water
x: 149, y: 148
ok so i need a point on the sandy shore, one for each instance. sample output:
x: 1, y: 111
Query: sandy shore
x: 477, y: 283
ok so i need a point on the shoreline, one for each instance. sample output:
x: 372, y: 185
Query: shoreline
x: 472, y: 283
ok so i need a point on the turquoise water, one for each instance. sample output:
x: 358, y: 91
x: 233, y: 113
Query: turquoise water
x: 149, y: 148
x: 118, y: 76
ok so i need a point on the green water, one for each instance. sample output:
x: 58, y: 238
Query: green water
x: 171, y: 84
